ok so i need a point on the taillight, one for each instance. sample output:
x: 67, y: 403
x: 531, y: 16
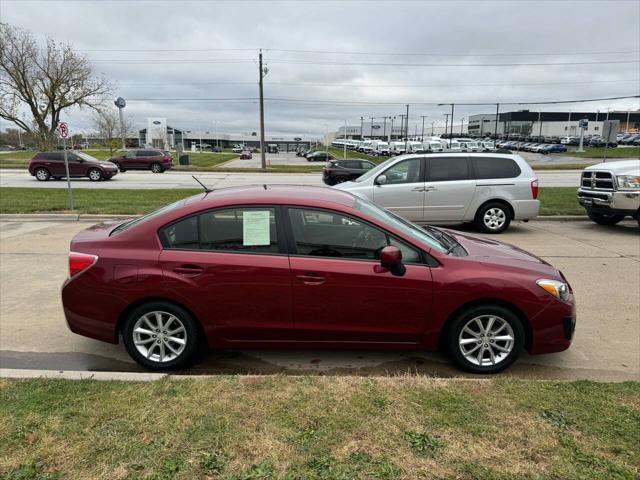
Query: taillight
x: 534, y: 188
x: 78, y: 262
x: 167, y: 158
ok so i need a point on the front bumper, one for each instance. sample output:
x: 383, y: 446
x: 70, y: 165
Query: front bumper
x: 553, y: 327
x: 620, y: 201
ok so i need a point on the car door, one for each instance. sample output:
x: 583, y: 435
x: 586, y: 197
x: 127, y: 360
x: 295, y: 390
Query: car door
x: 231, y: 266
x: 449, y: 188
x: 55, y: 163
x: 402, y: 191
x: 143, y: 159
x: 339, y: 293
x: 128, y: 160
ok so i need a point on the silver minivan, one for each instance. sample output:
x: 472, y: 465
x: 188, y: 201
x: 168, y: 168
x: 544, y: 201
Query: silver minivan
x: 488, y: 189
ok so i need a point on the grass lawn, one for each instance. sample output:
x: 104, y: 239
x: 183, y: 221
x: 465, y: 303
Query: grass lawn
x: 598, y: 152
x: 279, y: 427
x: 555, y: 200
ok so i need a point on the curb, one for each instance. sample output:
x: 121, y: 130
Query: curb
x: 85, y: 217
x: 17, y: 373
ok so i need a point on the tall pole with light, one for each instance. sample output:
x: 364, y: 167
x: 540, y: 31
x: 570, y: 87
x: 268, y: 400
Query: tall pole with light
x: 121, y: 103
x: 422, y: 136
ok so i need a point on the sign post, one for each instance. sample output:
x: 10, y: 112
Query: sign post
x: 63, y: 132
x: 583, y: 124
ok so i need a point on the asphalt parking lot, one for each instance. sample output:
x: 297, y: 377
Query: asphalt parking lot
x: 602, y: 264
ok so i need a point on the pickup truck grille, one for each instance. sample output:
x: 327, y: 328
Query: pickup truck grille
x: 594, y: 180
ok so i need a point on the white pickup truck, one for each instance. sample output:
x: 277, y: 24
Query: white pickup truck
x: 611, y: 191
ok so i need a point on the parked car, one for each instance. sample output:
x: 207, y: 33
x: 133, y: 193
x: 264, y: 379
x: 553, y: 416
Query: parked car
x: 143, y: 159
x: 338, y: 171
x: 7, y: 148
x: 326, y: 270
x: 46, y: 165
x: 237, y: 149
x: 610, y: 191
x: 553, y: 148
x: 447, y: 188
x: 630, y: 139
x: 246, y: 155
x: 319, y: 156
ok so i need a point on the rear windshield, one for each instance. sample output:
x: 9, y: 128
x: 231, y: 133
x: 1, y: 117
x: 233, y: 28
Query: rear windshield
x: 136, y: 221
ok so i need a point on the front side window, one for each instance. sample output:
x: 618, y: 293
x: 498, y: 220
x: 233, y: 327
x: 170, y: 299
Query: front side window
x: 407, y: 171
x: 244, y: 229
x: 321, y: 233
x: 447, y: 169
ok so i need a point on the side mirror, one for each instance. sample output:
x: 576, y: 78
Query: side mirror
x: 391, y: 261
x: 381, y: 180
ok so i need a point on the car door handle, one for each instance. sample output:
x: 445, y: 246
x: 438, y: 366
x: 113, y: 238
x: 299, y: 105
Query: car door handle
x: 418, y: 189
x: 312, y: 279
x: 429, y: 189
x: 189, y: 270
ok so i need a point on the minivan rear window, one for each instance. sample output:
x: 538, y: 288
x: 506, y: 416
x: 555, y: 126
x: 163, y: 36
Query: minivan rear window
x: 495, y: 167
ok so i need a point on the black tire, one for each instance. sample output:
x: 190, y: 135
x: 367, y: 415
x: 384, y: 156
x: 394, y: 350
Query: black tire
x: 156, y: 168
x: 340, y: 180
x: 192, y: 336
x: 95, y: 175
x: 479, y: 311
x: 496, y: 223
x: 42, y: 174
x: 605, y: 218
x: 120, y: 169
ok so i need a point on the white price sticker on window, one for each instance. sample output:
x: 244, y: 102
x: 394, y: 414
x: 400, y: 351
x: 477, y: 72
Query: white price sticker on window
x: 255, y: 228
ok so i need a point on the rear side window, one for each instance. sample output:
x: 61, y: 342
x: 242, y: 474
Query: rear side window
x: 495, y: 167
x: 352, y: 164
x: 443, y: 169
x: 52, y: 156
x: 229, y: 230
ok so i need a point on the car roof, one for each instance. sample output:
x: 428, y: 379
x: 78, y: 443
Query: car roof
x: 276, y: 194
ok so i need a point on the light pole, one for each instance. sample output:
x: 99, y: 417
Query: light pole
x: 371, y: 129
x: 540, y: 123
x: 432, y: 123
x: 361, y: 125
x: 391, y: 131
x: 326, y: 139
x: 422, y: 136
x: 462, y: 126
x: 446, y: 126
x: 121, y: 103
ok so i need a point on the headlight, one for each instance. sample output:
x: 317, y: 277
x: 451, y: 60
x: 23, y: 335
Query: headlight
x: 555, y: 287
x: 628, y: 181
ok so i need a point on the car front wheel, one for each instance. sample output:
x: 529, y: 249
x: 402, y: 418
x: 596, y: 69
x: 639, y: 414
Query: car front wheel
x: 161, y: 336
x: 95, y: 175
x: 605, y: 218
x: 485, y: 339
x: 42, y: 174
x: 493, y: 217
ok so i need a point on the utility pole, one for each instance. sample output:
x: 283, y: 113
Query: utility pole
x: 262, y: 72
x: 422, y: 136
x: 384, y: 127
x: 540, y: 123
x: 406, y: 142
x: 432, y: 123
x: 446, y: 125
x: 451, y: 137
x: 344, y: 144
x: 371, y: 129
x: 497, y: 110
x: 462, y: 126
x: 391, y: 131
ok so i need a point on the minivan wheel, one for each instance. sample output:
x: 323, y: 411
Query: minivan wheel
x: 95, y: 175
x: 494, y: 217
x: 485, y: 339
x: 605, y: 218
x: 42, y: 174
x: 156, y: 168
x: 161, y: 336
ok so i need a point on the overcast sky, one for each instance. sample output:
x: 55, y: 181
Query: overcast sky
x: 156, y: 50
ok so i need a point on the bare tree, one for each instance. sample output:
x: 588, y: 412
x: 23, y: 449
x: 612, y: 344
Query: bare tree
x: 45, y: 81
x: 107, y: 127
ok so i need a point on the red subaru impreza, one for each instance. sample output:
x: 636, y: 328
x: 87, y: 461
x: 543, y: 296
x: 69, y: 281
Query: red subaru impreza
x: 286, y: 266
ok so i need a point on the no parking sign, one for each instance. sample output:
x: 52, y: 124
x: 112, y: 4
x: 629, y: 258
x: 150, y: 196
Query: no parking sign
x: 63, y: 130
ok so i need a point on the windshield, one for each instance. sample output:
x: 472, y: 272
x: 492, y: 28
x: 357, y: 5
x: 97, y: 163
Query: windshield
x: 374, y: 171
x: 404, y: 226
x: 86, y: 157
x: 136, y: 221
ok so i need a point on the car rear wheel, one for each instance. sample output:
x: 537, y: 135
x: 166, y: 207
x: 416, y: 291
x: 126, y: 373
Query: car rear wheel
x: 605, y: 218
x: 161, y: 336
x: 42, y: 174
x: 95, y: 175
x: 120, y: 168
x: 485, y: 339
x: 494, y: 217
x: 156, y: 168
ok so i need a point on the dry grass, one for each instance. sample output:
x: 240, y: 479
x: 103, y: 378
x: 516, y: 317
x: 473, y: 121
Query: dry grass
x: 268, y: 427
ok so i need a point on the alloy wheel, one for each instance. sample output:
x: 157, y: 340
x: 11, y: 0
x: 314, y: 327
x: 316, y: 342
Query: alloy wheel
x: 486, y: 340
x: 42, y: 174
x: 95, y: 175
x: 156, y: 168
x: 159, y: 336
x: 494, y: 218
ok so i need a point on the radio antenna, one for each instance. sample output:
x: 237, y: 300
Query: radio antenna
x: 206, y: 189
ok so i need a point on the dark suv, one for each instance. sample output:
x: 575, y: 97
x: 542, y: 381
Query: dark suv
x: 319, y: 157
x: 46, y: 165
x: 143, y: 159
x: 338, y: 171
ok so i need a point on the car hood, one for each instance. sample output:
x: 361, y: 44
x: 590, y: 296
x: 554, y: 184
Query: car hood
x: 492, y: 252
x: 623, y: 167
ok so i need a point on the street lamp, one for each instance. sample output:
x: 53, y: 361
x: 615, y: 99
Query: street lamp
x: 121, y: 103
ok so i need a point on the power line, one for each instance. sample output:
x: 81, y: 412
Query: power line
x: 380, y: 64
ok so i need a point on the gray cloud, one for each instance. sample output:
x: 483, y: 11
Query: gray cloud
x: 470, y: 31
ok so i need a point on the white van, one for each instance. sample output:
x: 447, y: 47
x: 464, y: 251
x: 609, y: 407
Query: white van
x: 415, y: 147
x: 397, y: 148
x: 381, y: 148
x: 433, y: 146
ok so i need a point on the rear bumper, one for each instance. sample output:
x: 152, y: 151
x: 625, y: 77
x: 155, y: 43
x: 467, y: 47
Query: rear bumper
x: 526, y: 209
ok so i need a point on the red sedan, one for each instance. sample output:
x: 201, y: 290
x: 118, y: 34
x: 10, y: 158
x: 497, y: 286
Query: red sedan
x: 284, y: 266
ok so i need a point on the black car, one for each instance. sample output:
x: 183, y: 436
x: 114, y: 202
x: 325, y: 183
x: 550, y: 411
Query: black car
x: 319, y: 157
x: 338, y: 171
x: 600, y: 142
